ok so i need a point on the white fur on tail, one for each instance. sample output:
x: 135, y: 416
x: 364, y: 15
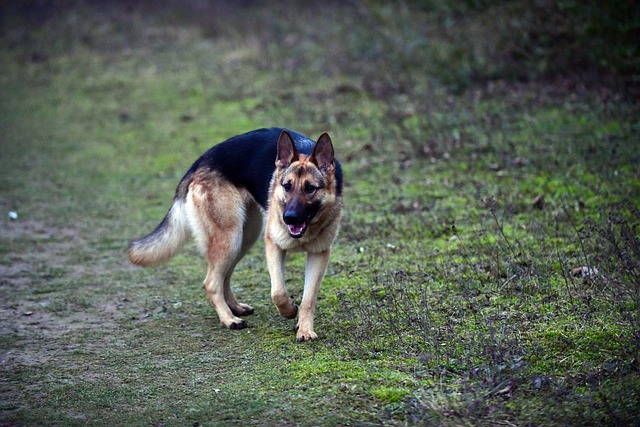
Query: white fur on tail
x: 163, y: 242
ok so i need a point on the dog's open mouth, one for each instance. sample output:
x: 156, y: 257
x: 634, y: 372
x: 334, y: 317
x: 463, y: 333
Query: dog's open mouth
x: 297, y: 230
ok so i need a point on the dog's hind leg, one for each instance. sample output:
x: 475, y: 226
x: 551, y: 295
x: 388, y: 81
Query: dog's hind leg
x: 214, y: 284
x: 250, y: 233
x: 216, y: 212
x: 237, y: 308
x: 222, y: 255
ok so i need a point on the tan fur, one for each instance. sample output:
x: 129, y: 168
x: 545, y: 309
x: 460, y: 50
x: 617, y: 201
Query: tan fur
x: 147, y: 251
x: 324, y: 226
x: 225, y: 221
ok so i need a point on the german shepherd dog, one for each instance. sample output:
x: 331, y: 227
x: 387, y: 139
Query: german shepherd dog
x: 223, y: 200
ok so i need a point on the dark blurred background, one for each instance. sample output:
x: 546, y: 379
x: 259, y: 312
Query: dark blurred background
x: 458, y: 43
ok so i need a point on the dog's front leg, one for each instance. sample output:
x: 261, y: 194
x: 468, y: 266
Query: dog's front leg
x: 279, y: 294
x: 316, y: 267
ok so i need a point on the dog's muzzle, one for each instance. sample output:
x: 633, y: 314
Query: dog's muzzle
x: 296, y: 222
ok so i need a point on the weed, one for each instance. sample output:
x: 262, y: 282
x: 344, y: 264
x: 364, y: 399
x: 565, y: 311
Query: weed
x: 480, y: 330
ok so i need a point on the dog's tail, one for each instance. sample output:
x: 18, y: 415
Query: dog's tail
x: 163, y: 242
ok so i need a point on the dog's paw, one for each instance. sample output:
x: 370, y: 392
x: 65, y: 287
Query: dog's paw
x: 241, y: 309
x: 235, y: 323
x: 303, y: 334
x: 289, y: 312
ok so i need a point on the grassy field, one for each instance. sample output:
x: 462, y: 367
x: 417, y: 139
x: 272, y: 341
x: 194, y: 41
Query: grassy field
x: 487, y: 270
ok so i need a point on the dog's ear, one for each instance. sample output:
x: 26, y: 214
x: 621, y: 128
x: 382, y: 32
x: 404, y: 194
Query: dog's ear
x: 322, y: 155
x: 287, y: 152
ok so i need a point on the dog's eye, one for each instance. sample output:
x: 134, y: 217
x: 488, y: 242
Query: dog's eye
x: 309, y: 188
x: 286, y: 186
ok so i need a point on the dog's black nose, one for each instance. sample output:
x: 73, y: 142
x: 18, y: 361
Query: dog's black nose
x: 292, y: 216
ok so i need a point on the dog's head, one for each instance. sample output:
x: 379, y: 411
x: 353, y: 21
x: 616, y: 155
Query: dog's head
x: 305, y: 184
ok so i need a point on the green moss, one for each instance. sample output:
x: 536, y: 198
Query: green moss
x: 389, y: 394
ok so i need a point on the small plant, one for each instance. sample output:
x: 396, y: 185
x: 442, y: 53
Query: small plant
x: 483, y: 324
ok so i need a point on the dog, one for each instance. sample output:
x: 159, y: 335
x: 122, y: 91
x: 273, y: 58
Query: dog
x: 273, y: 177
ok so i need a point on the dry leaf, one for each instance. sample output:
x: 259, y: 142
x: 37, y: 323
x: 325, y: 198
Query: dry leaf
x: 584, y: 271
x: 538, y: 202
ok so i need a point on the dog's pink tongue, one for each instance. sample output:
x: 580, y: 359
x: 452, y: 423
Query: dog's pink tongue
x: 296, y: 229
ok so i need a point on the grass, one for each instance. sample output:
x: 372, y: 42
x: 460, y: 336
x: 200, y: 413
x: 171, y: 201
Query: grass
x: 474, y: 191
